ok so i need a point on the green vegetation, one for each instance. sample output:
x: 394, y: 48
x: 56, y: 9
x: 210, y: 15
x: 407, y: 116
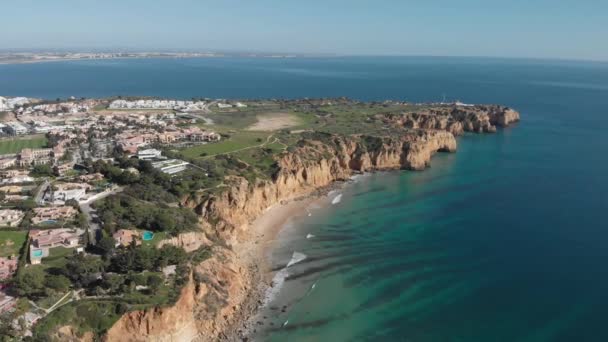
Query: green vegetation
x: 230, y: 143
x: 15, y: 145
x: 158, y: 236
x: 125, y: 212
x: 11, y: 242
x: 85, y: 315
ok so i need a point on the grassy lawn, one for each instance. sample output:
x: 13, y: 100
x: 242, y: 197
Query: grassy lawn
x: 11, y: 242
x: 15, y: 145
x: 236, y: 142
x: 57, y: 257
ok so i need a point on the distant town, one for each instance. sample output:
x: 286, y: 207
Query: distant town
x: 33, y: 57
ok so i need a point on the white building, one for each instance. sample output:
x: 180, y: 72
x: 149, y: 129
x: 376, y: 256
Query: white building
x: 171, y: 166
x: 224, y: 105
x: 148, y: 154
x: 240, y: 105
x: 15, y: 128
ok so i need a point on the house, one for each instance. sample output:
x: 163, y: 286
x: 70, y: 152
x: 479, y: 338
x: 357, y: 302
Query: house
x: 11, y: 217
x: 8, y: 267
x: 53, y: 214
x: 124, y: 237
x: 63, y: 192
x: 51, y: 238
x: 15, y: 128
x: 43, y: 240
x: 29, y: 156
x: 224, y: 105
x: 7, y: 303
x: 91, y: 177
x: 5, y: 163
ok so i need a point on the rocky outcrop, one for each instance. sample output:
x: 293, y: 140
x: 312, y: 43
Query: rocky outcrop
x: 456, y: 119
x: 207, y: 305
x: 188, y: 241
x: 315, y: 164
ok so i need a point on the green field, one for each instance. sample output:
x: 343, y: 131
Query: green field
x: 11, y: 242
x: 237, y: 141
x: 15, y: 145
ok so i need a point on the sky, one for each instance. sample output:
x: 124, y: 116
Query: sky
x: 564, y: 29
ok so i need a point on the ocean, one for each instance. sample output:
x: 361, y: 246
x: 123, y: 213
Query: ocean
x: 504, y: 240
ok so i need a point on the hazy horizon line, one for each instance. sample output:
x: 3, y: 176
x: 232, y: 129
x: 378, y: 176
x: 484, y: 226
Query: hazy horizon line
x: 267, y: 54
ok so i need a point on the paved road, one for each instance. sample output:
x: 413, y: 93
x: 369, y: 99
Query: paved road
x: 41, y: 191
x: 85, y: 207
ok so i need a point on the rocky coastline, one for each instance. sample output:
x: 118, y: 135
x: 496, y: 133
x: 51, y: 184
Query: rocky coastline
x: 225, y: 290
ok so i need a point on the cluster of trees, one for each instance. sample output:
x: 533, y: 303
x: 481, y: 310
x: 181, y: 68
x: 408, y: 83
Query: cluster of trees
x: 34, y: 282
x: 123, y: 212
x: 117, y: 271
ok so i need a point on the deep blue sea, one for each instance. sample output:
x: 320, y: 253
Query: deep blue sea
x: 505, y: 240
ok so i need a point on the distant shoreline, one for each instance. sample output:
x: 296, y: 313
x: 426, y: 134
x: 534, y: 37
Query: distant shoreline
x: 71, y: 59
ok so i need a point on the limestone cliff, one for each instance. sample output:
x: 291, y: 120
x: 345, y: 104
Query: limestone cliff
x: 219, y: 288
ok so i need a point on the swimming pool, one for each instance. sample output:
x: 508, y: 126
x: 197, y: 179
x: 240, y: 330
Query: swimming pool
x: 37, y: 253
x: 147, y: 236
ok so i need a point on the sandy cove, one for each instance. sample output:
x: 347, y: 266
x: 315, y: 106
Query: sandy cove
x: 254, y: 249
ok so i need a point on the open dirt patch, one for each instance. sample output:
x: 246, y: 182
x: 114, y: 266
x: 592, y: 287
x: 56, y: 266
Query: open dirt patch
x: 274, y: 121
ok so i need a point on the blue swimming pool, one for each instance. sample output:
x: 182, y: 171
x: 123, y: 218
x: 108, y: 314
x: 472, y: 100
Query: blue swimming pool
x: 37, y: 253
x: 147, y: 236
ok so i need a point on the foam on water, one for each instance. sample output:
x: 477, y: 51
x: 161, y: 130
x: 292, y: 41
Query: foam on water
x: 279, y: 278
x: 310, y: 236
x: 336, y: 199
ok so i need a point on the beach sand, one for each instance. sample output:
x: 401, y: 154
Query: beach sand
x: 255, y: 248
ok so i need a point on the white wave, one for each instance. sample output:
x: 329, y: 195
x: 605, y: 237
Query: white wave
x: 337, y: 199
x: 279, y: 278
x: 284, y: 324
x: 310, y: 236
x: 296, y: 258
x: 277, y: 283
x: 313, y: 286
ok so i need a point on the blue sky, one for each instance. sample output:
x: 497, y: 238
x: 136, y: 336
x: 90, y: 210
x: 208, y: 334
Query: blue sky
x: 508, y: 28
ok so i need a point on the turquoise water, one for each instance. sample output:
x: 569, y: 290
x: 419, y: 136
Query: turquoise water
x: 37, y: 253
x: 147, y: 236
x: 503, y: 241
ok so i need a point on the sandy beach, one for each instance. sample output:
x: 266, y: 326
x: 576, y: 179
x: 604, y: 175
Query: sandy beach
x: 254, y: 249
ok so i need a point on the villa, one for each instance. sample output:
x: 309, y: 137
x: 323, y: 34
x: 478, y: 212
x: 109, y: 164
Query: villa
x: 124, y: 237
x: 63, y: 192
x: 52, y: 214
x: 11, y: 217
x: 8, y: 267
x: 43, y: 240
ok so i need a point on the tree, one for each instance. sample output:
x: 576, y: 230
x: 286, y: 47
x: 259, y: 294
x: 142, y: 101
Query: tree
x: 72, y: 203
x: 154, y: 283
x: 29, y: 282
x: 107, y: 245
x: 42, y: 170
x: 113, y: 282
x: 58, y: 283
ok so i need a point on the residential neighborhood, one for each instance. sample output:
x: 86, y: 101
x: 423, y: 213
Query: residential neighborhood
x: 64, y: 165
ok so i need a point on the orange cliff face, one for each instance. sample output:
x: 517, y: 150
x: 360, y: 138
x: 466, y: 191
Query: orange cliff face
x: 214, y: 299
